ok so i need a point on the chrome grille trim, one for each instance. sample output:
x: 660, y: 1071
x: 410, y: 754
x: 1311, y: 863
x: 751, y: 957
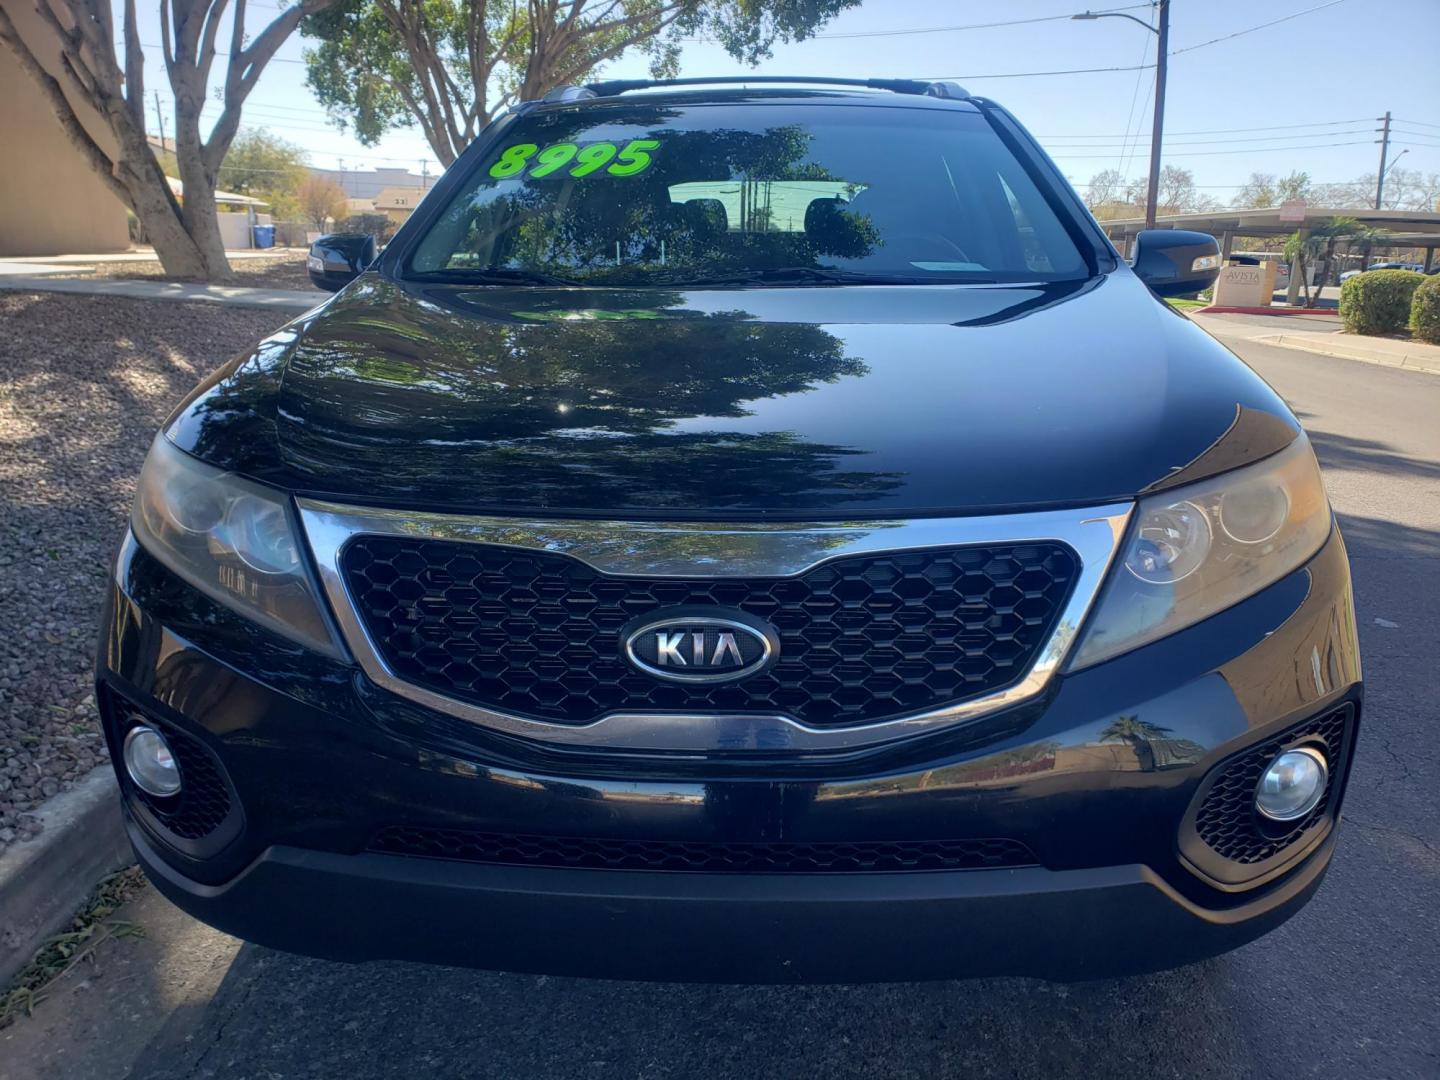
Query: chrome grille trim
x: 705, y: 550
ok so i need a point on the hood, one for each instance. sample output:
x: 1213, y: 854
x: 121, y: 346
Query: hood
x: 798, y: 402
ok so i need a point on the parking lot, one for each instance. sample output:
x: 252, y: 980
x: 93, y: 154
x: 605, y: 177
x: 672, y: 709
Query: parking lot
x: 1347, y: 989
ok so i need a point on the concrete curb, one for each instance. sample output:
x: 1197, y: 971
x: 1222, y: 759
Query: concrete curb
x: 286, y: 299
x: 1347, y: 349
x: 1279, y: 312
x: 43, y: 881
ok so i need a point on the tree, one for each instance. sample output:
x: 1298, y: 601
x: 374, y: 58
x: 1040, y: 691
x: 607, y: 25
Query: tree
x: 1405, y: 189
x: 449, y: 66
x: 266, y: 167
x: 1139, y: 734
x: 1264, y: 190
x: 1319, y: 246
x: 1178, y: 193
x: 321, y: 201
x: 1104, y: 189
x: 186, y: 233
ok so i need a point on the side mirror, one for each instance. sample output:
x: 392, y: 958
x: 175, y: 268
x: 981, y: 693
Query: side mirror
x: 1174, y: 262
x: 338, y: 259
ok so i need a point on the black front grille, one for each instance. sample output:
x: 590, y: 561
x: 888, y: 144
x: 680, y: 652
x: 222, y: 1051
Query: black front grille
x: 1227, y: 820
x: 591, y: 853
x: 861, y: 638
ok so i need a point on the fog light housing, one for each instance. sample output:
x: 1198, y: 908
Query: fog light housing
x: 1292, y: 785
x: 150, y: 763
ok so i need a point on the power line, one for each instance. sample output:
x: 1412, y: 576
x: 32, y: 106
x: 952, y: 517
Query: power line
x: 1227, y: 131
x: 1218, y: 142
x: 1034, y: 74
x: 1419, y: 123
x: 1124, y: 162
x: 1213, y: 153
x: 949, y: 29
x: 1261, y: 26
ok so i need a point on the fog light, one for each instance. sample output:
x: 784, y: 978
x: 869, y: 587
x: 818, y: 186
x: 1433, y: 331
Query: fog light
x: 150, y: 763
x: 1292, y: 785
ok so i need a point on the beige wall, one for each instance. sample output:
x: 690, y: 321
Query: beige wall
x: 50, y: 201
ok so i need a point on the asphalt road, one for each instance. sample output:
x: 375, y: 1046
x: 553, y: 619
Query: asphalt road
x: 1349, y: 988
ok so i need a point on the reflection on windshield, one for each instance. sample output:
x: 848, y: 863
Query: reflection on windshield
x: 730, y: 191
x: 764, y: 205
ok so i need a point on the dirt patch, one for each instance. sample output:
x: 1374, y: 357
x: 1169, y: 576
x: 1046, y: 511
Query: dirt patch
x: 85, y: 382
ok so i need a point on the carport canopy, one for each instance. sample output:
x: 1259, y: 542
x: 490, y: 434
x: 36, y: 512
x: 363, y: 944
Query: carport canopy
x: 1407, y: 228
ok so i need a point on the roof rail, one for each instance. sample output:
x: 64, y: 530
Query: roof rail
x: 568, y: 93
x: 612, y: 87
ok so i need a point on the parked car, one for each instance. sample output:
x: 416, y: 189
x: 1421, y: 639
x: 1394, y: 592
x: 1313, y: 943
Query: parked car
x: 739, y: 532
x: 1417, y: 267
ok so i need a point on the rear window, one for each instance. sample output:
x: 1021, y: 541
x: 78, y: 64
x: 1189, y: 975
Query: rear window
x: 636, y: 193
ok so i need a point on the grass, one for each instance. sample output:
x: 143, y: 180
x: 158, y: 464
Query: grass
x: 1187, y: 305
x: 75, y: 945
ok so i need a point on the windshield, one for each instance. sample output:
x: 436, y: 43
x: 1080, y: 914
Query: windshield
x: 636, y: 193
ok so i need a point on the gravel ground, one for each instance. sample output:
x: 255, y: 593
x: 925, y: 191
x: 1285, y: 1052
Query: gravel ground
x: 284, y: 271
x: 84, y: 384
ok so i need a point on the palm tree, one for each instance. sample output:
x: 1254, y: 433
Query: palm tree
x: 1319, y: 246
x: 1138, y: 733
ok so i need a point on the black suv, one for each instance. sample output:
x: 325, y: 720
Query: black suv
x: 753, y: 533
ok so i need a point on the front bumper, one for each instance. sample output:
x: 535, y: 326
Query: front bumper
x: 317, y: 761
x: 1050, y: 924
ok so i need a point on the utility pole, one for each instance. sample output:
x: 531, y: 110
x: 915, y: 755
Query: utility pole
x: 1157, y: 128
x: 1162, y: 46
x: 160, y: 118
x: 424, y: 173
x: 1384, y: 152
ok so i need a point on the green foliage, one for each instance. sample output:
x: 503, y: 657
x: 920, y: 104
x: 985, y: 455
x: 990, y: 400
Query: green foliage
x: 448, y: 66
x: 1378, y: 301
x: 1425, y: 310
x: 265, y: 166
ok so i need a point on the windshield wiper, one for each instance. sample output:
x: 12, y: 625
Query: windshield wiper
x: 492, y: 275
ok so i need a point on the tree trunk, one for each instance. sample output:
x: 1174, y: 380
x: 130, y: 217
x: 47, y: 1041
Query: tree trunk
x: 179, y: 257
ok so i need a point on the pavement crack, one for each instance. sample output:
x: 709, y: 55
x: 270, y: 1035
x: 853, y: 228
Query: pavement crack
x: 1428, y: 845
x: 234, y: 1009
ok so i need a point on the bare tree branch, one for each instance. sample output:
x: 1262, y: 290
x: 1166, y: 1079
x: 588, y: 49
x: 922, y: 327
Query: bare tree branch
x: 134, y: 66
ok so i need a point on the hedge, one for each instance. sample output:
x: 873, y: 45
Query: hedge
x: 1378, y: 301
x: 1425, y: 310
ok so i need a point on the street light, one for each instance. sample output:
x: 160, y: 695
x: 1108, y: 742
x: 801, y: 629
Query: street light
x: 1162, y: 32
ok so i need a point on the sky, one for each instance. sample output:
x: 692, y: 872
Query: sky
x: 1303, y: 93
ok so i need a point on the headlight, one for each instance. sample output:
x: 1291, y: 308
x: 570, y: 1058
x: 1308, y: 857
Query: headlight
x: 232, y: 539
x: 1196, y: 550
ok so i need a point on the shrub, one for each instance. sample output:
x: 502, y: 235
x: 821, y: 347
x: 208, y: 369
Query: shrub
x: 1425, y: 310
x: 1378, y: 301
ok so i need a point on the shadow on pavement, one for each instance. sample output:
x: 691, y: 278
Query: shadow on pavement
x: 1369, y: 455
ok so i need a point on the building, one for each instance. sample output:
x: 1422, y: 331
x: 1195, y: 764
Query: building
x: 367, y: 184
x: 51, y: 202
x: 397, y: 203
